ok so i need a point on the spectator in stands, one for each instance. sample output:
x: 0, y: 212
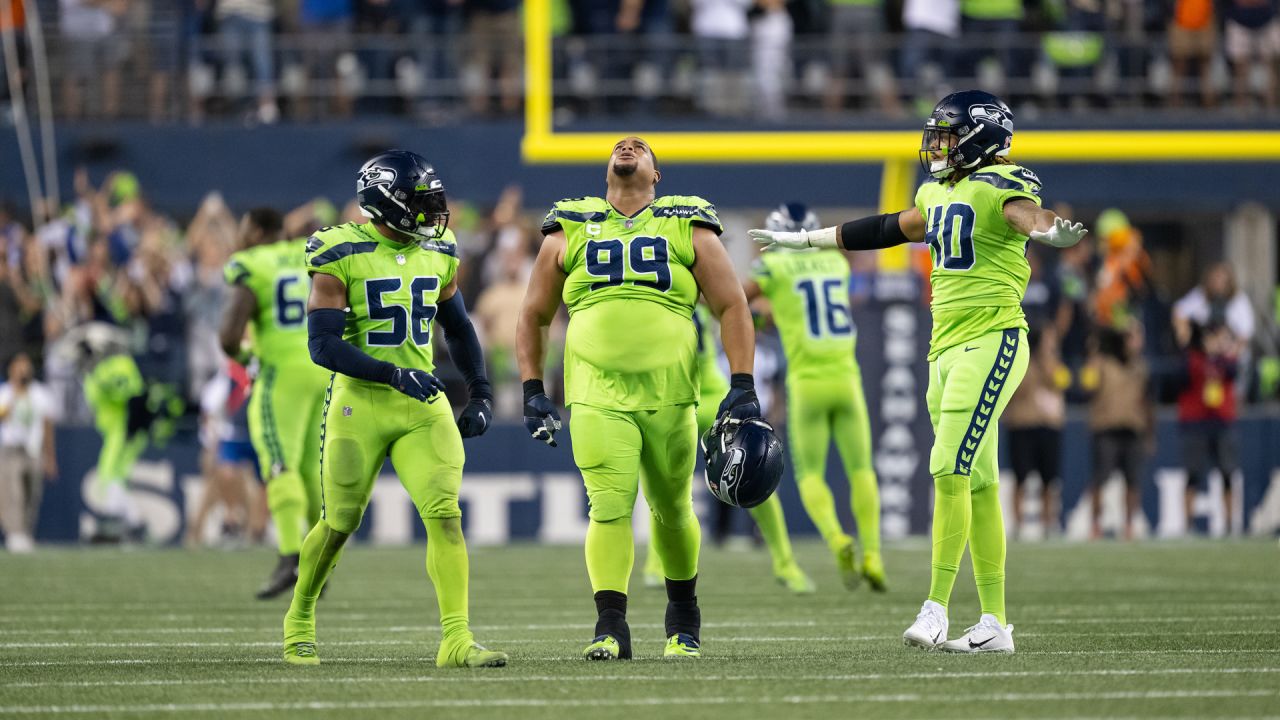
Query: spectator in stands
x: 1207, y: 411
x: 494, y: 35
x: 1251, y: 34
x: 20, y: 312
x: 771, y: 32
x: 1075, y: 322
x: 1193, y: 38
x: 932, y: 29
x: 94, y: 50
x: 1216, y: 301
x: 13, y: 18
x: 720, y: 29
x: 1042, y: 303
x: 991, y: 28
x: 496, y: 311
x: 325, y: 26
x: 1121, y: 417
x: 245, y: 25
x: 1126, y: 270
x: 857, y: 30
x: 435, y: 26
x: 1034, y: 420
x: 27, y: 456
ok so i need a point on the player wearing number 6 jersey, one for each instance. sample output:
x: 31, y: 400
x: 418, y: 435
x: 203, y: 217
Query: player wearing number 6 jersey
x: 630, y: 266
x: 808, y: 294
x: 268, y: 296
x: 976, y: 214
x: 396, y: 275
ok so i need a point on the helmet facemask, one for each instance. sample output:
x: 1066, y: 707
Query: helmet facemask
x: 431, y: 211
x: 937, y: 139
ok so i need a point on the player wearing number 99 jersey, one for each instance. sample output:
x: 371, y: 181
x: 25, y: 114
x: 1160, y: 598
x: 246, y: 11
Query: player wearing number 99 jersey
x: 377, y: 288
x: 268, y: 295
x: 629, y: 266
x: 976, y: 214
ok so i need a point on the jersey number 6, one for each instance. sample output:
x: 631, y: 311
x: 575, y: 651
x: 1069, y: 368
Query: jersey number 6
x: 415, y: 321
x: 646, y: 256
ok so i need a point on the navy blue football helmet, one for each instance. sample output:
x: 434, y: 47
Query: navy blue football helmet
x: 792, y: 217
x: 744, y: 461
x: 400, y: 188
x: 973, y: 126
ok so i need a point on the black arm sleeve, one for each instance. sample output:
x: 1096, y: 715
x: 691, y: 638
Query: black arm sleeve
x: 873, y: 233
x: 464, y: 346
x: 330, y: 351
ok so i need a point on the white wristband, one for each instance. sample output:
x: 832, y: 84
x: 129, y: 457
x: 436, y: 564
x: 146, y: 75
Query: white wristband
x: 824, y: 238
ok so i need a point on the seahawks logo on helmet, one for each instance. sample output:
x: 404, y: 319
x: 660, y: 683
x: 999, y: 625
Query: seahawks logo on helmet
x: 731, y: 474
x: 992, y: 114
x: 377, y: 175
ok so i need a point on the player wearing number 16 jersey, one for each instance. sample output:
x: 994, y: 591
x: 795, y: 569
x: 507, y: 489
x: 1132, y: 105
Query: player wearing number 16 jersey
x: 377, y: 288
x: 976, y: 213
x: 629, y: 266
x: 268, y: 295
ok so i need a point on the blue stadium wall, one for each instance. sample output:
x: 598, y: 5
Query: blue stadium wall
x: 287, y: 165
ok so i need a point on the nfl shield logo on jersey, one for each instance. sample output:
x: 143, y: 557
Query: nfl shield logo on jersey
x: 400, y: 259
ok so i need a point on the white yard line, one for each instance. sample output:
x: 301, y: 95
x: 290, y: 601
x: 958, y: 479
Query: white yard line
x: 500, y: 678
x: 745, y: 699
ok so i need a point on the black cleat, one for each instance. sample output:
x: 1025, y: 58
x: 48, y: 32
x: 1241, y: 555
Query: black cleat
x: 282, y: 579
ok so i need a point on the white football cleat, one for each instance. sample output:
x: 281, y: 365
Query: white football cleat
x: 930, y: 628
x: 987, y: 636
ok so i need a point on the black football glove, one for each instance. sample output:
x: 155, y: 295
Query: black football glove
x: 540, y: 416
x: 475, y: 417
x: 741, y: 402
x: 417, y: 384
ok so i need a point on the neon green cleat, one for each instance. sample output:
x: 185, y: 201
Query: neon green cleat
x: 604, y: 647
x: 469, y: 654
x: 681, y: 645
x: 847, y: 562
x: 301, y: 653
x: 873, y: 572
x: 795, y: 579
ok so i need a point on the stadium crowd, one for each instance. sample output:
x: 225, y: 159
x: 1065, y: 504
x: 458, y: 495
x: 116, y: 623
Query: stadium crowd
x: 437, y: 59
x: 1109, y: 332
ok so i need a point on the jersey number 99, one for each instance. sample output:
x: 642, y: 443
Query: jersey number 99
x: 646, y: 256
x: 414, y: 321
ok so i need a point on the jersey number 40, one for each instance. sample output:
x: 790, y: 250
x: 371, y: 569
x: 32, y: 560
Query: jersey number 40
x: 950, y: 236
x: 646, y: 257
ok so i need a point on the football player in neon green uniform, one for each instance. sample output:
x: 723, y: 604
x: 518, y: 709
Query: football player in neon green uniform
x: 808, y: 292
x: 112, y: 389
x: 768, y: 515
x: 397, y: 275
x: 630, y: 266
x: 976, y: 214
x: 269, y: 283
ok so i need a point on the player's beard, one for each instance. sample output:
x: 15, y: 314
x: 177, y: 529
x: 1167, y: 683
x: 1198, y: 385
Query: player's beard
x: 625, y: 169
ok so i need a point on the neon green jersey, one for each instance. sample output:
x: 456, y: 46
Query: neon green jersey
x: 631, y: 343
x: 113, y: 381
x: 980, y: 268
x: 712, y: 382
x: 809, y: 294
x: 392, y: 288
x: 277, y: 277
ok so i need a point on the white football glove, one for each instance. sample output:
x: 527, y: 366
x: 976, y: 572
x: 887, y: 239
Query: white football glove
x: 1063, y: 234
x: 770, y: 239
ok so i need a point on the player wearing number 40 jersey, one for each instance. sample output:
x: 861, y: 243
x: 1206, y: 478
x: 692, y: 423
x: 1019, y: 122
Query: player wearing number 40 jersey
x: 268, y: 296
x: 630, y: 266
x: 376, y: 290
x: 977, y: 214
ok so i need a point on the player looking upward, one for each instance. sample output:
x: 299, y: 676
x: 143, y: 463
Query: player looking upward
x: 396, y: 273
x: 630, y: 266
x: 768, y: 515
x: 269, y: 284
x: 808, y: 292
x: 976, y: 213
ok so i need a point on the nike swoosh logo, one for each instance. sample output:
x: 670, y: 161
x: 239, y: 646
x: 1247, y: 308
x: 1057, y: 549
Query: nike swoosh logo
x: 936, y: 637
x: 967, y: 349
x: 975, y: 646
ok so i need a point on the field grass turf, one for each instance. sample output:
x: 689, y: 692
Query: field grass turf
x: 1188, y: 629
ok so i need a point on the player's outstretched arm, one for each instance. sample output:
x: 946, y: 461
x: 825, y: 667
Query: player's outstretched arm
x: 243, y: 306
x: 1042, y: 225
x: 541, y: 301
x: 714, y: 273
x: 875, y: 232
x: 468, y: 356
x: 326, y: 320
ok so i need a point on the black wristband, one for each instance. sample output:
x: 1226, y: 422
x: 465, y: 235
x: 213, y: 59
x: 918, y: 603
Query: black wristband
x: 873, y: 233
x: 533, y: 387
x: 742, y: 381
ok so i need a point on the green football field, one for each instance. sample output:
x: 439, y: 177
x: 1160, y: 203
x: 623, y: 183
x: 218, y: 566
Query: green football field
x: 1108, y: 630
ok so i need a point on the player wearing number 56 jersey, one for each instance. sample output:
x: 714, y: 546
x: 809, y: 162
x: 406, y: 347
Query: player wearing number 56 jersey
x: 629, y: 266
x: 977, y: 214
x: 378, y: 289
x: 269, y: 286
